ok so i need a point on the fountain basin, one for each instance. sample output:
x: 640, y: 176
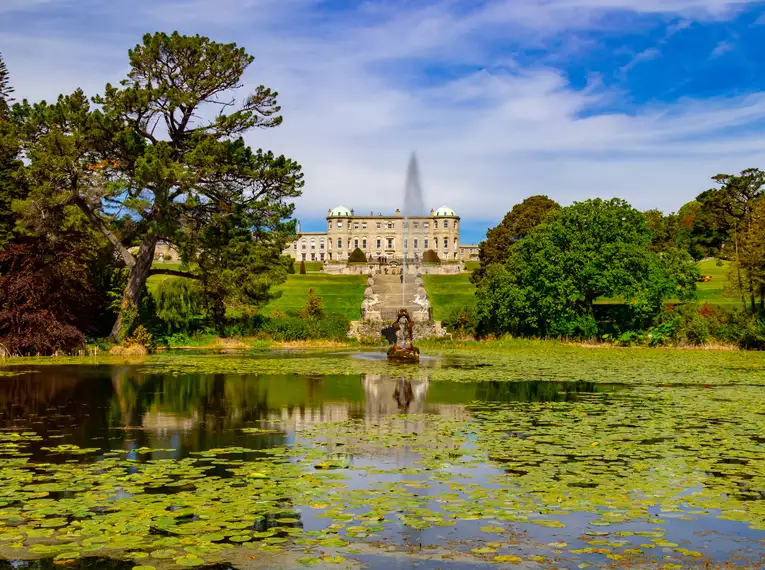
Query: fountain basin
x: 406, y: 355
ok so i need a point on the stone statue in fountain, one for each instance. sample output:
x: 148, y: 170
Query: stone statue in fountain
x: 403, y: 350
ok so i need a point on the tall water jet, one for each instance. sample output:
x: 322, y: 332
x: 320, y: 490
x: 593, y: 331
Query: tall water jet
x: 413, y: 206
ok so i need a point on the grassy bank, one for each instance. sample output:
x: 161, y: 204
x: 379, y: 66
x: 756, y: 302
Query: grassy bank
x: 339, y: 293
x: 449, y: 292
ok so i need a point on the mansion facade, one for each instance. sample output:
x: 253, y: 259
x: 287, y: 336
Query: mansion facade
x: 382, y: 238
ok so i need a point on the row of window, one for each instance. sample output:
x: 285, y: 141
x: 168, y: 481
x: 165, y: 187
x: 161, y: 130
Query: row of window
x: 320, y: 256
x: 392, y: 225
x: 388, y: 243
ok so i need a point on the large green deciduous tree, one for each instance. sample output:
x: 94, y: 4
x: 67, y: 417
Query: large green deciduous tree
x: 663, y: 229
x: 162, y: 158
x: 516, y: 224
x: 697, y: 231
x: 591, y: 249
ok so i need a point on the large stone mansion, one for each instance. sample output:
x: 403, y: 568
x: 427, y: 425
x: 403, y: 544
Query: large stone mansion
x: 384, y: 238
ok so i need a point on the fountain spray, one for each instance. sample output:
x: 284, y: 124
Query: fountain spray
x: 413, y: 206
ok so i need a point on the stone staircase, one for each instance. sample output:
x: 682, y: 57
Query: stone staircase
x: 388, y: 288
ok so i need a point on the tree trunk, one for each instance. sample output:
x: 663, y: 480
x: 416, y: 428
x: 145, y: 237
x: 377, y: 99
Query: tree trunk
x: 135, y: 284
x: 752, y: 294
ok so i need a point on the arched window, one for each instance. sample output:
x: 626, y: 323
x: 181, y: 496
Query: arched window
x: 321, y: 243
x: 313, y: 243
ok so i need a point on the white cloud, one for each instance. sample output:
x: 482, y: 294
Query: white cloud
x: 645, y: 55
x: 722, y: 48
x: 486, y: 138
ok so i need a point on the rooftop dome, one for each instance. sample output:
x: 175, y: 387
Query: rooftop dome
x: 444, y: 211
x: 340, y: 211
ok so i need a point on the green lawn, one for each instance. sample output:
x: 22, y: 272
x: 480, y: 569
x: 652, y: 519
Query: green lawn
x: 448, y: 292
x: 713, y: 292
x: 310, y: 266
x: 154, y: 280
x: 340, y: 293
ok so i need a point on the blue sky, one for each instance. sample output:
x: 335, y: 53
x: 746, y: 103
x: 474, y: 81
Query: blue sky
x: 501, y: 99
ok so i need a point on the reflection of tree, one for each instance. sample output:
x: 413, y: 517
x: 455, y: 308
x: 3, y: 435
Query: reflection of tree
x: 66, y: 398
x: 538, y: 391
x: 191, y: 412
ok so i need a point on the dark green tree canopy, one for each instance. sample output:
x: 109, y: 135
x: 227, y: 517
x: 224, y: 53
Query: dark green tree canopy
x: 663, y: 229
x: 430, y: 256
x: 163, y: 159
x: 516, y: 224
x: 357, y: 256
x: 597, y: 248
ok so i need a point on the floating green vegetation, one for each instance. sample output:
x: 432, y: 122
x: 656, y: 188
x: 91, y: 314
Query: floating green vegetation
x: 473, y: 362
x: 630, y: 462
x: 604, y: 477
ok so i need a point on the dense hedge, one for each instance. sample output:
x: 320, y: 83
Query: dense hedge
x: 357, y: 256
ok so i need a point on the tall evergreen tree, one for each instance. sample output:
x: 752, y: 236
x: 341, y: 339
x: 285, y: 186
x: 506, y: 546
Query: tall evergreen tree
x: 10, y: 187
x: 5, y: 84
x: 163, y: 159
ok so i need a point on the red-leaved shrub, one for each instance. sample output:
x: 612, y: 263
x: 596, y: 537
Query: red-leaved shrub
x: 44, y: 298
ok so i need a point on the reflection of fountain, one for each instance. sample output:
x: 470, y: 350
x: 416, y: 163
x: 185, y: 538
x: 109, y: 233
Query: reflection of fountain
x: 387, y: 396
x: 403, y: 350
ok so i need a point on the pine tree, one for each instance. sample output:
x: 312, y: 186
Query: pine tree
x: 5, y: 83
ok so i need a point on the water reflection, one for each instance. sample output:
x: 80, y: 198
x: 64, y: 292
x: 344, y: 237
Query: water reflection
x: 120, y: 407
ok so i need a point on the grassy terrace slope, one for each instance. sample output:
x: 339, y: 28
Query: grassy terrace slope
x: 340, y: 293
x: 449, y: 292
x: 713, y: 292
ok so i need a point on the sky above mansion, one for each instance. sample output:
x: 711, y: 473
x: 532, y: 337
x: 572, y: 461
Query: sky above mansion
x: 639, y: 99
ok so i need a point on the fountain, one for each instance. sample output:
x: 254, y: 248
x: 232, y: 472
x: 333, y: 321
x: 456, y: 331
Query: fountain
x: 403, y: 350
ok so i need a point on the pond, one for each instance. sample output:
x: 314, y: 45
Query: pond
x: 274, y: 461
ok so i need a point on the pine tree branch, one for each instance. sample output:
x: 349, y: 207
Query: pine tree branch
x: 108, y: 234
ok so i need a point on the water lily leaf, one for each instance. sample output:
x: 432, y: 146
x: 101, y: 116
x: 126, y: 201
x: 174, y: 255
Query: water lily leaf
x: 507, y: 558
x: 163, y: 553
x: 189, y: 560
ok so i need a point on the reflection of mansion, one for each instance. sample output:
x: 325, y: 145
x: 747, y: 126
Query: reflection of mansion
x: 384, y: 238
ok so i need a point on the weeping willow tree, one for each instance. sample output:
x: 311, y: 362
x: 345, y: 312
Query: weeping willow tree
x: 179, y: 302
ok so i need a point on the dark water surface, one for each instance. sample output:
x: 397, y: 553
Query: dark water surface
x: 402, y: 471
